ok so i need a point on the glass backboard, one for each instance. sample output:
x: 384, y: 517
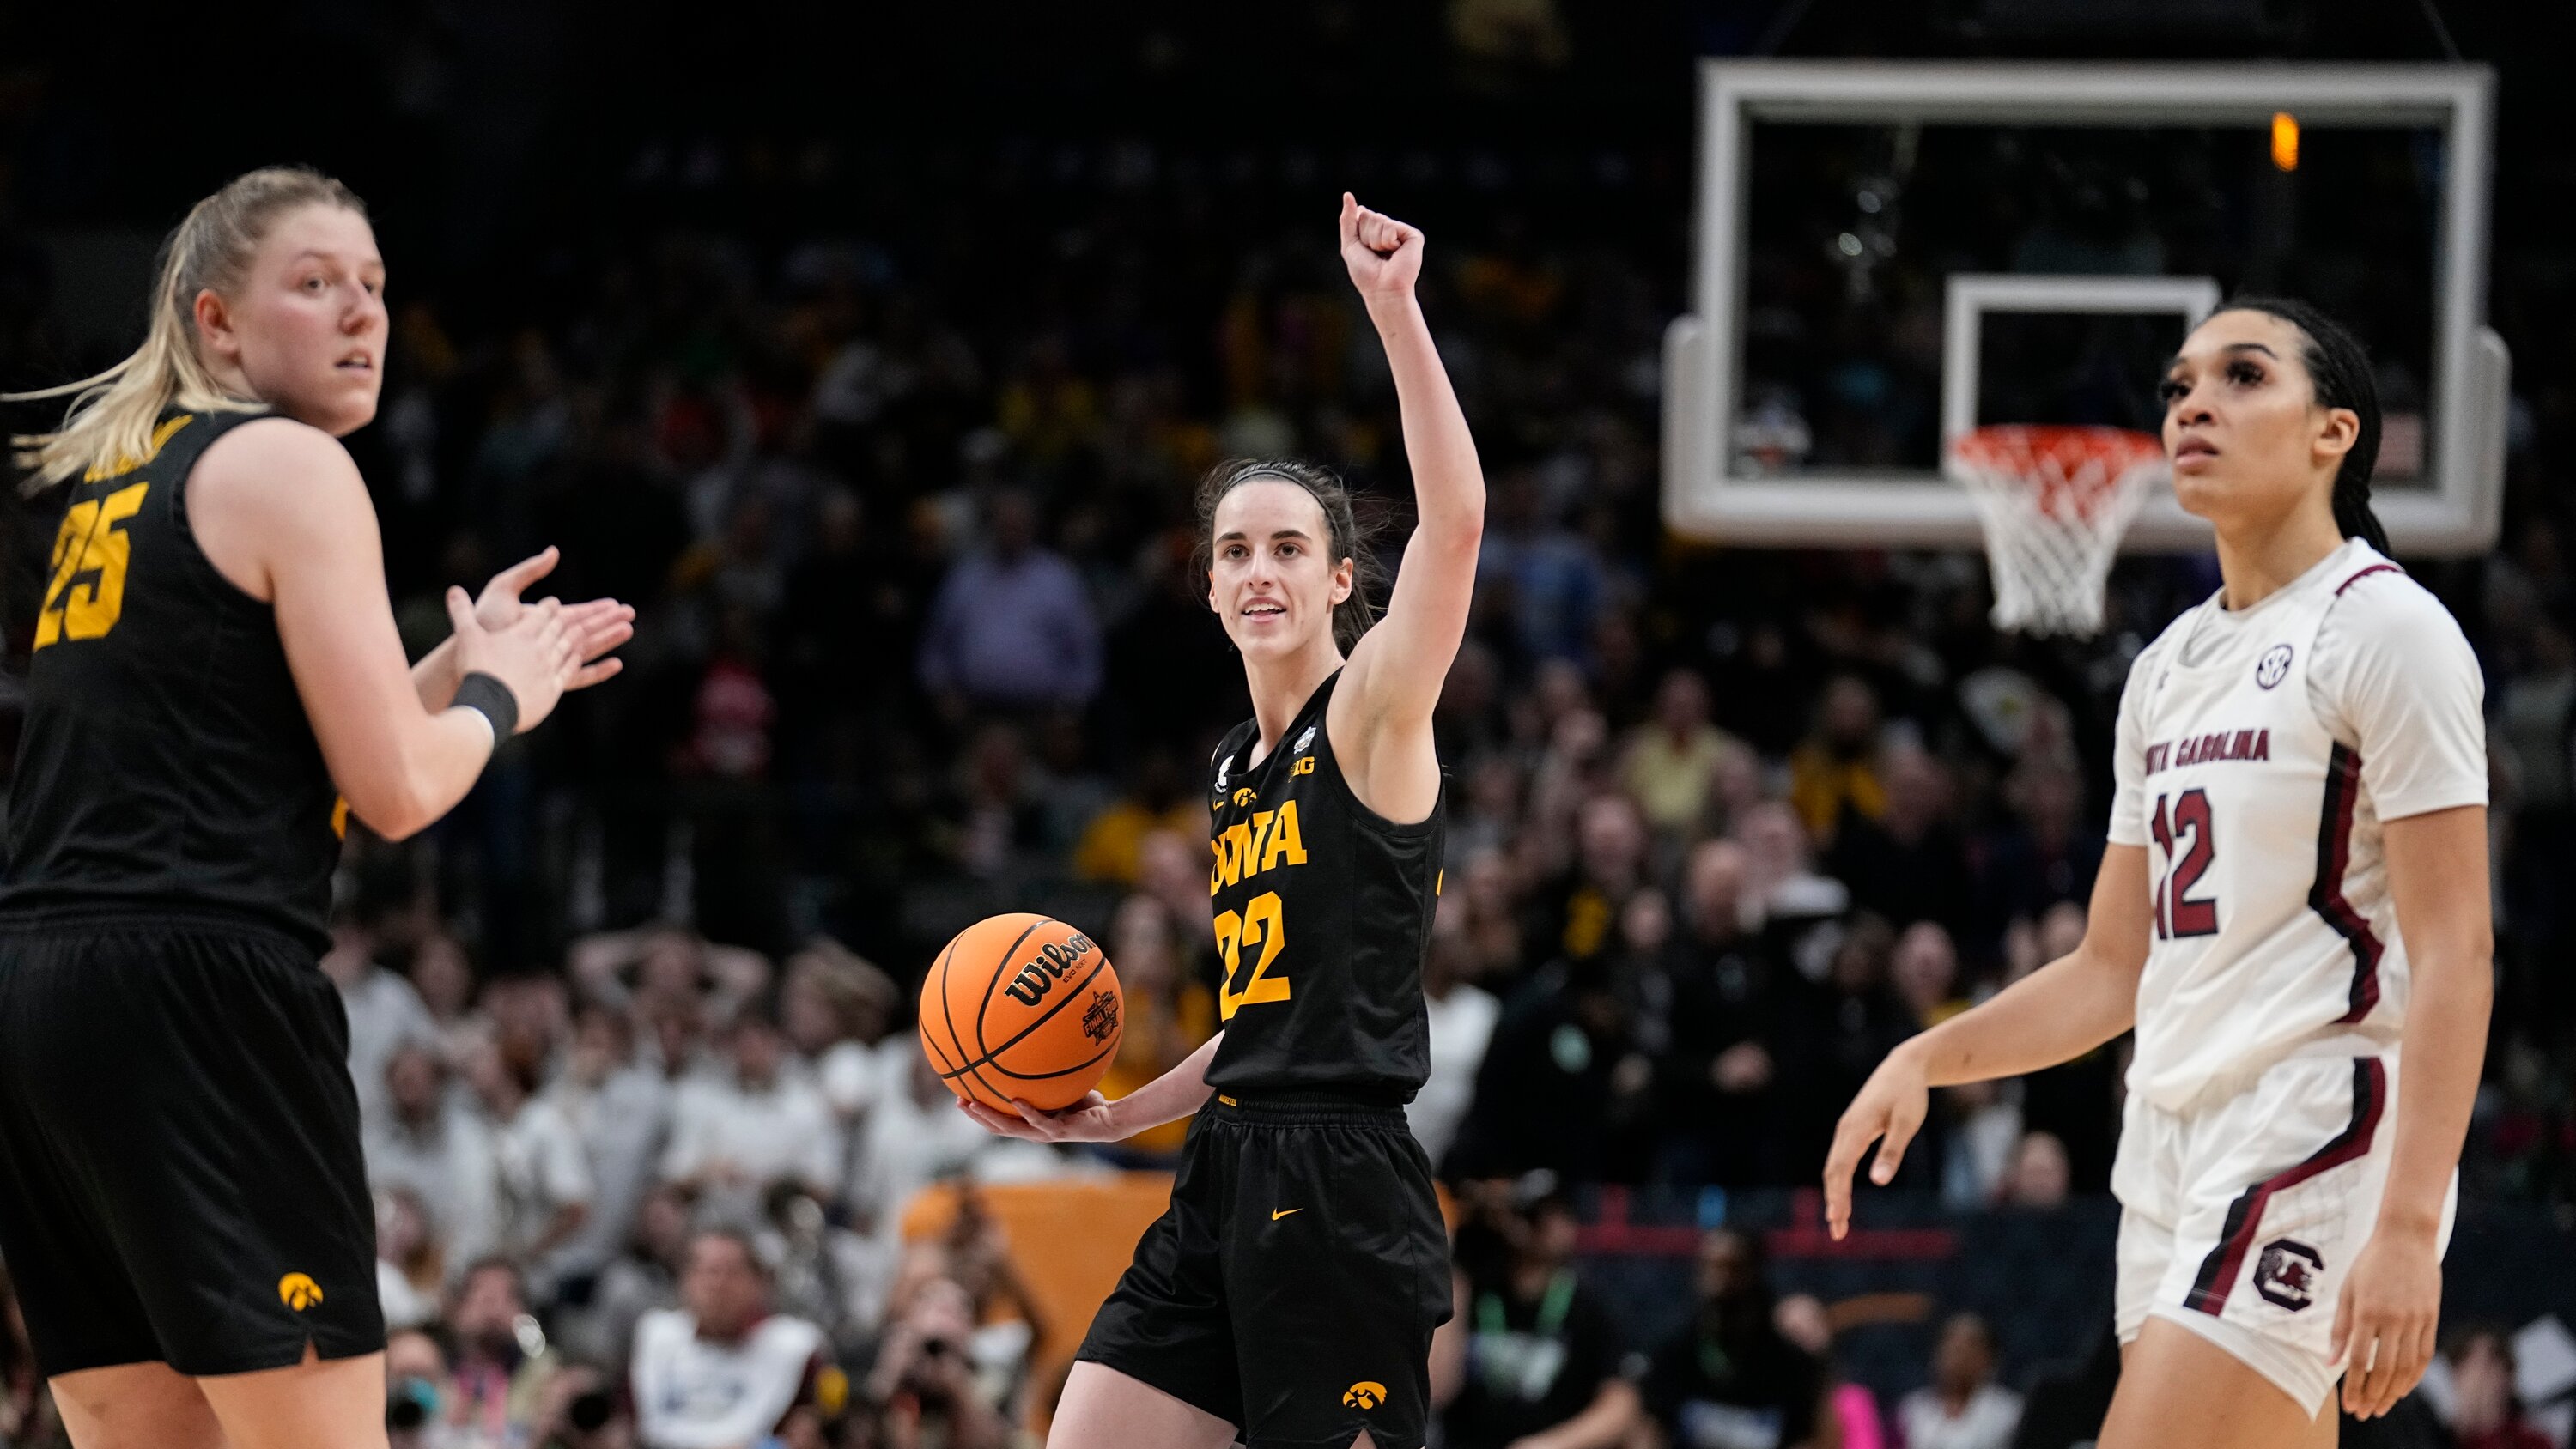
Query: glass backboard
x: 1889, y: 253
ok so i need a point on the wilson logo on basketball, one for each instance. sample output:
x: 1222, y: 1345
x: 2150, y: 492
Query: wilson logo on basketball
x: 1039, y: 977
x: 1100, y: 1018
x: 298, y: 1291
x: 1364, y: 1395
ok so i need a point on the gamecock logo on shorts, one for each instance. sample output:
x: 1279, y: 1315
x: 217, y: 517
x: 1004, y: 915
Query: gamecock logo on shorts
x: 298, y: 1292
x: 2286, y: 1274
x: 1364, y: 1395
x: 1100, y: 1018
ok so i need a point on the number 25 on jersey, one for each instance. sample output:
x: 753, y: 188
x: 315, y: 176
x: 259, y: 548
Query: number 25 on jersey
x: 85, y: 591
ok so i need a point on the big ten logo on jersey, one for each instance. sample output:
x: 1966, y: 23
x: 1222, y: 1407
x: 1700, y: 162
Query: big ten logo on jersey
x: 1052, y: 964
x: 1270, y: 839
x: 85, y: 593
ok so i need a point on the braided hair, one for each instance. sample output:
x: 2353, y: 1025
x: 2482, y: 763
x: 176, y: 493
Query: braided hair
x: 2339, y: 370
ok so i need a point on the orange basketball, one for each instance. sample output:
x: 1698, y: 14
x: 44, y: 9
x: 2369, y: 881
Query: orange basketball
x: 1023, y: 1006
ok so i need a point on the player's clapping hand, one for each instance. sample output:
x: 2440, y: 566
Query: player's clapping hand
x: 596, y: 625
x: 1089, y: 1120
x: 1384, y: 255
x: 2385, y: 1320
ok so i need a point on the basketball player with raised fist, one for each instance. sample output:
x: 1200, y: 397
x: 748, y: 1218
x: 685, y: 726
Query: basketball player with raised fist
x: 2293, y: 906
x: 1289, y: 1294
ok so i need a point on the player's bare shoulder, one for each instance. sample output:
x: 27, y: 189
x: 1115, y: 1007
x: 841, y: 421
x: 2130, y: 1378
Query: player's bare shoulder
x: 268, y: 488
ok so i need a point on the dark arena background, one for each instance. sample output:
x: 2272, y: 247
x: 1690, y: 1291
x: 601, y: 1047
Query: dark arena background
x: 862, y: 346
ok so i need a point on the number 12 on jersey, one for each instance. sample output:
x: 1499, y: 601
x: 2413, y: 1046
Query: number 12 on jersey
x: 2177, y: 914
x: 1236, y: 934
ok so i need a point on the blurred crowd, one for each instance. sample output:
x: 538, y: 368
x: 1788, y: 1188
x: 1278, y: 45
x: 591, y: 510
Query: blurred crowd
x: 904, y: 507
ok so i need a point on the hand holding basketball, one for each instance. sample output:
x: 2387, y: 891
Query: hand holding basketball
x: 1090, y: 1120
x: 1384, y: 255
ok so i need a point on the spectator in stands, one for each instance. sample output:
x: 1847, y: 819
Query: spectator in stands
x: 1718, y: 1073
x: 1462, y: 1016
x: 1911, y: 863
x: 1802, y: 1319
x: 643, y: 1277
x: 2038, y: 1178
x: 759, y: 1124
x: 1925, y: 972
x: 443, y: 975
x: 1729, y: 1378
x: 384, y: 1010
x: 1532, y: 1356
x: 1985, y: 1130
x: 924, y: 1384
x: 410, y: 1279
x: 1160, y: 798
x: 1563, y: 1082
x: 1789, y: 899
x: 542, y: 1188
x: 620, y: 1111
x: 1546, y: 578
x: 722, y: 1370
x: 1578, y: 915
x: 2485, y: 1412
x: 1963, y: 1407
x: 1670, y: 764
x: 836, y: 1008
x: 502, y: 1362
x: 1169, y: 1015
x: 436, y: 1148
x: 1833, y: 1038
x: 2046, y: 852
x: 415, y: 1389
x: 1012, y: 627
x: 1836, y: 768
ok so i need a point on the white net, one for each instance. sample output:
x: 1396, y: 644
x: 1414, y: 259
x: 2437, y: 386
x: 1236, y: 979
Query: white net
x: 2053, y: 502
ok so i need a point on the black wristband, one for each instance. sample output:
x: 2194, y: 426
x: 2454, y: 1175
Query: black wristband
x: 491, y: 699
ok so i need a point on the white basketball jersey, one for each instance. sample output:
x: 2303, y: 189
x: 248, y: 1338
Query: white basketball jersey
x: 2274, y: 934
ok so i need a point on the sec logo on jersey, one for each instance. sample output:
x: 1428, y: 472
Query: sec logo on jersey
x: 2273, y: 667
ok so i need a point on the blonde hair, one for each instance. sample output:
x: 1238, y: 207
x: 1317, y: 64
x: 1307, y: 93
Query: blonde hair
x: 108, y: 428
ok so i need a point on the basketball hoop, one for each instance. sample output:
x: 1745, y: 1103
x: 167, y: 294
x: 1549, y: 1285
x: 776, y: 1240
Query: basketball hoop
x: 2053, y: 502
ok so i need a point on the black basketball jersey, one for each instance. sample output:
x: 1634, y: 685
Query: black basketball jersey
x: 1323, y: 913
x: 165, y: 762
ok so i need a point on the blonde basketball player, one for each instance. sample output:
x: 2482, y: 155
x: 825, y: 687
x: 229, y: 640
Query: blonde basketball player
x: 2292, y: 913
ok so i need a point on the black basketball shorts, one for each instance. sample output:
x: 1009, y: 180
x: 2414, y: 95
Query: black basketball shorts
x: 180, y: 1175
x: 1292, y: 1287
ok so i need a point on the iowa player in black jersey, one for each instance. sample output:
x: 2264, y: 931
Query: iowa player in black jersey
x: 215, y: 670
x: 1290, y: 1292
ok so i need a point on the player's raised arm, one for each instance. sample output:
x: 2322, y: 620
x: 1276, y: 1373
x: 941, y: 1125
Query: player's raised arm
x: 1396, y: 670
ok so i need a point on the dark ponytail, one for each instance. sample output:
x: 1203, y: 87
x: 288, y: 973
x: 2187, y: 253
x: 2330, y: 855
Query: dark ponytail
x: 2340, y: 371
x: 1350, y: 538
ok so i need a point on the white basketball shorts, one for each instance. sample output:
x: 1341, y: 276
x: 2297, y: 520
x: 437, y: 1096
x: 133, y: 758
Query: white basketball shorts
x: 2240, y: 1218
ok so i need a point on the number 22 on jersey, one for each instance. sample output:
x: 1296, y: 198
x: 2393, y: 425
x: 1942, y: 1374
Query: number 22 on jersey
x: 86, y: 590
x: 1236, y: 934
x: 2177, y: 914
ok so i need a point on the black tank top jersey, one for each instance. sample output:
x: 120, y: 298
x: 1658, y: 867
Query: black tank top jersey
x: 166, y: 764
x: 1323, y: 913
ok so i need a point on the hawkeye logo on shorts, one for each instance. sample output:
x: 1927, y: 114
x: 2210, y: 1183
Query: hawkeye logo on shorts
x: 299, y: 1292
x: 2286, y: 1274
x: 1364, y: 1395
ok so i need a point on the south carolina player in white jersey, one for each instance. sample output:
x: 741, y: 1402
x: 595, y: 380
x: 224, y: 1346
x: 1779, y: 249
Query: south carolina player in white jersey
x: 2292, y: 905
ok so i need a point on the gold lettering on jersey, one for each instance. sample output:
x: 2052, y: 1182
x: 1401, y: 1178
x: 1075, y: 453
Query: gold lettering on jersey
x: 86, y: 593
x: 1305, y: 766
x: 1259, y: 924
x: 1247, y: 848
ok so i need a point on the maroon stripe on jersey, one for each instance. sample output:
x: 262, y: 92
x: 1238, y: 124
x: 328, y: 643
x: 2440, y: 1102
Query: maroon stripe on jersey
x: 2245, y: 1215
x: 2360, y: 574
x: 2325, y: 895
